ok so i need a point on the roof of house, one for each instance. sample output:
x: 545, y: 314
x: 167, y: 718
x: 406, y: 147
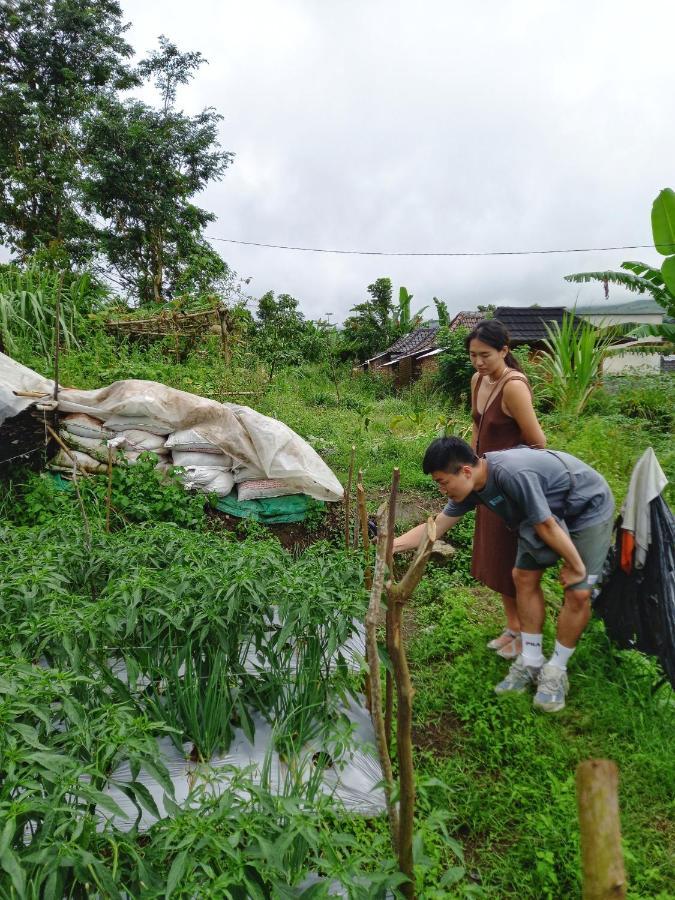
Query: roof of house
x: 528, y: 323
x: 643, y: 306
x: 466, y: 319
x: 418, y: 340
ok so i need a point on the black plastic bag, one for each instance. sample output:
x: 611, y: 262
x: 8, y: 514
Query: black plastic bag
x: 638, y: 609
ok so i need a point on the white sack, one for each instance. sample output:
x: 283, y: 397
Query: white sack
x: 86, y: 463
x: 263, y: 488
x: 86, y: 426
x: 212, y: 480
x: 189, y: 439
x: 88, y: 443
x: 198, y: 458
x: 144, y: 440
x: 141, y: 423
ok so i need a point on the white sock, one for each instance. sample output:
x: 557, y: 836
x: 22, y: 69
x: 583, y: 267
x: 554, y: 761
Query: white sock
x: 560, y: 656
x: 532, y: 652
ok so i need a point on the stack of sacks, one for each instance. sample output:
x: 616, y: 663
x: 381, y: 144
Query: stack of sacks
x: 206, y: 467
x: 263, y: 488
x: 86, y: 437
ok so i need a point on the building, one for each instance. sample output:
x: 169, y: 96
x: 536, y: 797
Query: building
x: 644, y: 311
x: 528, y: 324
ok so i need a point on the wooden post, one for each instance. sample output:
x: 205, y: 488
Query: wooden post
x: 363, y: 520
x: 57, y: 332
x: 108, y: 496
x: 604, y: 877
x: 348, y: 496
x: 389, y: 618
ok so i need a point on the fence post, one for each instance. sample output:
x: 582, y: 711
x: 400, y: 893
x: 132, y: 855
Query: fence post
x: 604, y: 877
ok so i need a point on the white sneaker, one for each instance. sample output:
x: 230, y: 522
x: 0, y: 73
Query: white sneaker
x: 552, y: 688
x: 519, y: 678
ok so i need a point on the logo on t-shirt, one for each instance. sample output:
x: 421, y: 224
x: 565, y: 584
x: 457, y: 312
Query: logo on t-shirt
x: 495, y: 501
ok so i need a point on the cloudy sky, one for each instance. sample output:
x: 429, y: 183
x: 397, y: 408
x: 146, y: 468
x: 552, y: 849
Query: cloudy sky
x: 429, y: 126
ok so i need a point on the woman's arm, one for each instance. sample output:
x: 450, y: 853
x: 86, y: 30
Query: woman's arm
x: 474, y: 427
x: 517, y: 403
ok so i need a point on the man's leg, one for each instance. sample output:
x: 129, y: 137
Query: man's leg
x: 531, y: 610
x: 572, y: 620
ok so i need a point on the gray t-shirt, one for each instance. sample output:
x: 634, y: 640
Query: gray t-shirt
x: 526, y: 487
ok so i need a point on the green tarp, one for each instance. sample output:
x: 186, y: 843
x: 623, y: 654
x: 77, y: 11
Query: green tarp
x: 273, y: 511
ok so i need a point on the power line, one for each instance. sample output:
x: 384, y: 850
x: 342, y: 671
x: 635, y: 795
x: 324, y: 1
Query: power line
x: 430, y: 253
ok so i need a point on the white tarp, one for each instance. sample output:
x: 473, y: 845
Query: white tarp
x: 15, y: 377
x: 261, y: 446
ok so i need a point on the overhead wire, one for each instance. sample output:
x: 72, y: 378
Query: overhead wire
x: 436, y: 253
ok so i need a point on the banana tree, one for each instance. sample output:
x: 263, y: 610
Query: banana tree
x: 404, y: 318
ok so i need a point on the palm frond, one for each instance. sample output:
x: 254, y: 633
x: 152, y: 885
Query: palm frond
x: 634, y: 283
x: 649, y: 273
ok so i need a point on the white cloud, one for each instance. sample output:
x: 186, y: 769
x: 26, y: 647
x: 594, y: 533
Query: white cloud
x: 429, y: 126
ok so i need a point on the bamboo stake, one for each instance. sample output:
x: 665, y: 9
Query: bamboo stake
x: 363, y: 518
x: 389, y: 620
x: 348, y: 495
x: 108, y: 496
x: 57, y: 327
x: 372, y: 621
x: 604, y: 877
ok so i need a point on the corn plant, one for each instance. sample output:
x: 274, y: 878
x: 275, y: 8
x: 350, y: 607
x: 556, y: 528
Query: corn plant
x: 572, y: 367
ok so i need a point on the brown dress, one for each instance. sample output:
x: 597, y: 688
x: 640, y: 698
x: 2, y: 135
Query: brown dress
x: 494, y: 546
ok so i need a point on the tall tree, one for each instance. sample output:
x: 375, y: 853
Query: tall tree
x: 58, y: 60
x: 372, y: 326
x: 146, y: 166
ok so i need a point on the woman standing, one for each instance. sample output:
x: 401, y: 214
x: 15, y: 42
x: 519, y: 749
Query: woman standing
x: 503, y: 417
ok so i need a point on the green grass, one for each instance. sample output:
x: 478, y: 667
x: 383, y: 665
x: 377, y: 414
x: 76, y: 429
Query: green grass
x: 511, y: 769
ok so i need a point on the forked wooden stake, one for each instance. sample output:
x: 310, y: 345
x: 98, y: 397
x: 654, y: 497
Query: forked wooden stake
x: 401, y: 820
x: 604, y: 877
x: 397, y: 595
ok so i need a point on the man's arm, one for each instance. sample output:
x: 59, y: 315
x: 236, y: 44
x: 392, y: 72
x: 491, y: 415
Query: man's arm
x: 411, y: 539
x: 557, y: 539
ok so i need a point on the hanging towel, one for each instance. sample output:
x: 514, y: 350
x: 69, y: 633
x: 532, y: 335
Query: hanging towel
x: 646, y: 482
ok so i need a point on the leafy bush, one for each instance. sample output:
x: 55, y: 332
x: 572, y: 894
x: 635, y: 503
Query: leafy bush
x: 454, y: 366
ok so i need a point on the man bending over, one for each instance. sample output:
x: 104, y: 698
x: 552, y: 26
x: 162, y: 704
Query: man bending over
x: 562, y: 509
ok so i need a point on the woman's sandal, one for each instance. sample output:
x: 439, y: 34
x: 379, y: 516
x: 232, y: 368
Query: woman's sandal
x: 506, y: 637
x: 511, y: 650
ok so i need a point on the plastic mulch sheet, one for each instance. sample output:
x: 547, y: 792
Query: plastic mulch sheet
x: 353, y: 778
x: 638, y: 609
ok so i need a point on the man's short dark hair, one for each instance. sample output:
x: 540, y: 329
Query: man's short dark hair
x: 448, y: 454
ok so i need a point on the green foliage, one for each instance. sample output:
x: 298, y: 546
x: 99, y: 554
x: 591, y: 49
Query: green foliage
x: 28, y: 297
x: 139, y: 494
x: 146, y: 166
x: 454, y: 366
x: 572, y: 367
x: 442, y: 312
x: 58, y: 60
x: 282, y: 337
x: 371, y: 328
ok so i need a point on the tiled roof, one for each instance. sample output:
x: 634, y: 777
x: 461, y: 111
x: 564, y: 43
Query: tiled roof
x: 466, y: 319
x: 527, y: 323
x: 418, y: 340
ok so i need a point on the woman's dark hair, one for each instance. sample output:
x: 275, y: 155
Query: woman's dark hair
x: 448, y: 454
x: 493, y: 333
